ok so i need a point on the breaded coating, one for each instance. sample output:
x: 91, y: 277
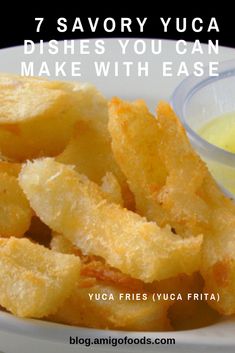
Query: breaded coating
x: 35, y: 281
x: 160, y: 165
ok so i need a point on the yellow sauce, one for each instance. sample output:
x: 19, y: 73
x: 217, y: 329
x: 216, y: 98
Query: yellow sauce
x: 221, y: 132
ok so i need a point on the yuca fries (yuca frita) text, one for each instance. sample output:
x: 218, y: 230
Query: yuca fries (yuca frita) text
x: 77, y: 208
x: 135, y: 315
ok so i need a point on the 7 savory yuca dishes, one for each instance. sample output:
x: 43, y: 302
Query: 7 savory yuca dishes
x: 102, y: 199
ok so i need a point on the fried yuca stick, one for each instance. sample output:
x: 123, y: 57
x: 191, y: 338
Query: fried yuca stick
x: 190, y: 198
x: 186, y: 174
x: 134, y: 142
x: 218, y: 260
x: 34, y: 281
x: 72, y: 205
x: 94, y: 267
x: 160, y: 166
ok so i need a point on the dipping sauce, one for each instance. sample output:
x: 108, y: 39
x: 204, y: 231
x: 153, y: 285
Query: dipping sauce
x: 221, y: 132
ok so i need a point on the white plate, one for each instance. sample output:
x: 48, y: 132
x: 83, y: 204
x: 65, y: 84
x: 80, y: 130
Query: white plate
x: 27, y: 336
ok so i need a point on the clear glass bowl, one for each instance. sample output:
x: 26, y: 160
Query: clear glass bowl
x: 197, y: 101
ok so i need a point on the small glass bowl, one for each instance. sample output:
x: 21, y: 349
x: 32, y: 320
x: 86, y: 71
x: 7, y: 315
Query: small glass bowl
x: 199, y: 100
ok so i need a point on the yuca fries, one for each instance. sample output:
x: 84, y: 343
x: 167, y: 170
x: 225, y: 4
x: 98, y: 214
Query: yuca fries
x: 189, y: 199
x: 218, y: 255
x: 186, y: 173
x: 134, y: 143
x: 159, y: 164
x: 75, y: 207
x: 35, y: 281
x: 35, y: 112
x: 101, y: 247
x: 94, y: 267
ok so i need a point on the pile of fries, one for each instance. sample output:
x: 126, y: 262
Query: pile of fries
x: 103, y: 198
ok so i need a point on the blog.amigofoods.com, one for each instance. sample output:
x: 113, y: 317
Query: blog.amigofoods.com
x: 114, y: 341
